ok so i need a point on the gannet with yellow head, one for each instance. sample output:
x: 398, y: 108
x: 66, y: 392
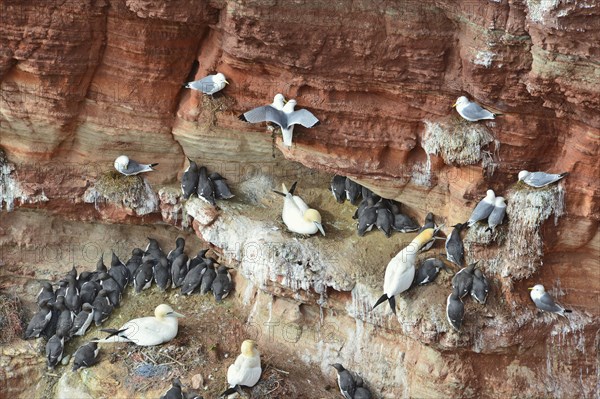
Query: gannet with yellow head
x: 147, y: 331
x: 296, y: 214
x: 246, y: 370
x: 400, y: 271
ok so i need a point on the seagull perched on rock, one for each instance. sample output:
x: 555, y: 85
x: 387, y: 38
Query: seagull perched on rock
x: 246, y: 370
x: 296, y: 214
x: 497, y: 215
x: 472, y: 111
x: 539, y: 179
x: 210, y: 84
x: 129, y: 167
x: 483, y: 209
x: 543, y: 301
x: 147, y: 331
x: 285, y: 117
x: 400, y: 271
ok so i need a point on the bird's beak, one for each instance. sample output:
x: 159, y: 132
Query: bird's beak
x: 530, y: 288
x: 284, y: 101
x: 320, y: 227
x: 226, y: 82
x: 454, y: 105
x: 177, y: 314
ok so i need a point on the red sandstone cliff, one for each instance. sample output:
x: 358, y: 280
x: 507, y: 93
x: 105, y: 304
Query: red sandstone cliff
x: 84, y: 81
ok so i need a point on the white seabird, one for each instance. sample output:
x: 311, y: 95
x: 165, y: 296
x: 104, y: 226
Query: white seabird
x: 129, y: 167
x: 400, y: 271
x: 296, y: 214
x: 497, y: 214
x: 543, y: 301
x: 285, y: 118
x: 209, y: 84
x: 471, y: 111
x: 483, y: 209
x: 147, y: 331
x: 246, y: 370
x: 539, y: 179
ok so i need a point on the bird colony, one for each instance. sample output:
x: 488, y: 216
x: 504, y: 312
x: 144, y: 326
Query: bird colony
x: 68, y: 307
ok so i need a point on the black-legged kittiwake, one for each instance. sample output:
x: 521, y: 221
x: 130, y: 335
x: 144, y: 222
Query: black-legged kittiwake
x: 483, y: 209
x: 285, y: 118
x: 209, y: 84
x: 129, y: 167
x: 471, y: 111
x: 543, y: 301
x: 539, y: 179
x: 497, y: 214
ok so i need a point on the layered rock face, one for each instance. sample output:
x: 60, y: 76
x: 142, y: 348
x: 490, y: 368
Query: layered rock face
x: 83, y: 82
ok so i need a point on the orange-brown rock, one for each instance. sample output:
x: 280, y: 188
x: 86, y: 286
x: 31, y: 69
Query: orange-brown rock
x: 85, y: 81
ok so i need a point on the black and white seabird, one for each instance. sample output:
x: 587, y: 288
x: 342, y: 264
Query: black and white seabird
x: 153, y: 247
x: 61, y: 289
x: 179, y: 270
x: 480, y: 288
x: 179, y: 248
x: 189, y: 180
x: 361, y: 391
x: 428, y: 271
x: 404, y: 224
x: 206, y: 188
x: 193, y: 278
x: 345, y: 381
x: 162, y: 274
x: 222, y: 283
x: 463, y: 280
x: 134, y: 262
x: 65, y: 318
x: 39, y: 321
x: 83, y: 278
x: 429, y: 222
x: 89, y: 290
x: 100, y: 267
x: 119, y: 272
x: 54, y: 349
x: 222, y: 190
x: 208, y: 277
x: 46, y: 294
x: 483, y: 209
x: 455, y: 310
x: 338, y: 188
x: 102, y: 307
x: 196, y: 260
x: 72, y: 298
x: 455, y: 250
x: 385, y: 219
x: 175, y: 391
x: 353, y: 191
x: 72, y: 272
x: 86, y: 356
x: 543, y: 301
x: 144, y: 276
x: 367, y: 217
x: 109, y: 284
x: 366, y: 193
x: 83, y: 320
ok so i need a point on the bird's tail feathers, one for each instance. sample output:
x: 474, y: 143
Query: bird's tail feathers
x: 293, y: 188
x: 229, y: 391
x: 563, y: 174
x: 152, y: 165
x: 111, y: 332
x: 381, y: 300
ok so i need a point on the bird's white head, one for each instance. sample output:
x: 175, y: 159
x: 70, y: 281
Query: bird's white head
x: 523, y: 174
x: 164, y: 310
x: 279, y: 99
x: 121, y: 162
x: 220, y: 78
x: 490, y: 195
x: 499, y: 202
x: 312, y: 215
x: 461, y: 102
x: 289, y: 106
x: 249, y: 348
x: 537, y: 291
